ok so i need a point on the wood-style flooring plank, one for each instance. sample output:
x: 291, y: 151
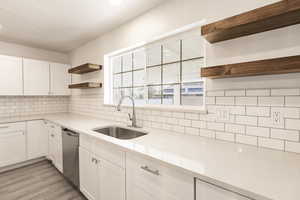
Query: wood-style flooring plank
x: 39, y: 181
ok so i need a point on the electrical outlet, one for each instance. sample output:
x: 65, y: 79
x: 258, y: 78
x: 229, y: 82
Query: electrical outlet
x: 223, y: 114
x: 277, y: 117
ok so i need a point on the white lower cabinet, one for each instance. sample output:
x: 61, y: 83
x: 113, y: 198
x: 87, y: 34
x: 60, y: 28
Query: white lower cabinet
x: 206, y: 191
x: 100, y: 179
x: 12, y: 143
x: 55, y: 145
x: 151, y: 180
x: 88, y: 174
x: 37, y: 139
x: 111, y: 181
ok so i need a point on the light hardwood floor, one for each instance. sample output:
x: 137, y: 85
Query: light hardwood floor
x: 40, y: 181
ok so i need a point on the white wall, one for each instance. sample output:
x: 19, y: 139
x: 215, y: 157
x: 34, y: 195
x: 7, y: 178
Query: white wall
x: 12, y: 49
x: 167, y: 17
x: 177, y: 13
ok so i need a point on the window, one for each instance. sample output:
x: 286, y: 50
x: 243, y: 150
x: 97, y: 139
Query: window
x: 162, y: 73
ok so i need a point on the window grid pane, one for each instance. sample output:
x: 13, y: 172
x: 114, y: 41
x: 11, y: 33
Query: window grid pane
x: 171, y: 71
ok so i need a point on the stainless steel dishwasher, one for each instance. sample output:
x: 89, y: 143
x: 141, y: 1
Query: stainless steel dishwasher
x: 71, y: 156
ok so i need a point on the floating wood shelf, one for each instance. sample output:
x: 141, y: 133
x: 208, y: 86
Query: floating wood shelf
x: 281, y: 14
x: 85, y: 68
x: 86, y: 85
x: 261, y: 67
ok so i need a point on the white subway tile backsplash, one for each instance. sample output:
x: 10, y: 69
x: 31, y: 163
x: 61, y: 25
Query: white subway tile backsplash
x: 216, y: 126
x: 287, y: 112
x: 284, y: 134
x: 185, y: 122
x: 285, y: 92
x: 292, y: 147
x: 210, y: 100
x: 225, y: 100
x: 258, y: 131
x: 21, y: 106
x: 246, y: 139
x: 237, y: 110
x: 178, y: 115
x: 216, y: 93
x: 271, y: 143
x: 269, y: 122
x: 271, y: 101
x: 234, y: 93
x: 292, y: 101
x: 293, y: 124
x: 258, y: 111
x: 247, y: 120
x: 207, y: 133
x: 251, y: 101
x: 235, y: 128
x: 178, y: 129
x: 267, y: 118
x: 194, y: 116
x: 192, y: 131
x: 225, y: 136
x: 258, y: 92
x: 198, y: 124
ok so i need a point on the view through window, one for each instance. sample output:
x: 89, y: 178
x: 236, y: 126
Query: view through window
x: 166, y: 72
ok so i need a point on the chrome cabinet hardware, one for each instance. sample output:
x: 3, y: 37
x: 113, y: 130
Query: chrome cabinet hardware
x: 52, y: 135
x: 146, y: 168
x: 94, y: 160
x: 4, y: 127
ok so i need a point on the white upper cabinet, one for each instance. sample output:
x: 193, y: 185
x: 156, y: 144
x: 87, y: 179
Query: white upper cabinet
x: 36, y: 77
x: 11, y: 77
x: 59, y: 79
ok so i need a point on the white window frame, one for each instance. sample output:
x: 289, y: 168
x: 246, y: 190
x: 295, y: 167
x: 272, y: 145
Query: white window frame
x: 108, y: 80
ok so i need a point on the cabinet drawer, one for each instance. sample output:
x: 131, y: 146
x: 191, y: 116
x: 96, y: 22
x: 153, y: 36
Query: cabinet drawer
x: 147, y: 177
x: 208, y: 191
x: 12, y: 127
x: 109, y: 152
x: 54, y: 131
x: 103, y: 150
x: 85, y: 141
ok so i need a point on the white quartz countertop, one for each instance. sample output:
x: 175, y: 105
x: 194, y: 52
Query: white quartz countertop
x: 261, y: 173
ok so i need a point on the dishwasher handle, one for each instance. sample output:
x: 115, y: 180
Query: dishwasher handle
x: 70, y: 133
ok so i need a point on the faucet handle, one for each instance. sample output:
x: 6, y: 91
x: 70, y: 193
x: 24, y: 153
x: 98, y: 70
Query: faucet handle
x: 129, y: 115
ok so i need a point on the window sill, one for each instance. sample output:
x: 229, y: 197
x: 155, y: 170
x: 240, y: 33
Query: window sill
x: 190, y: 109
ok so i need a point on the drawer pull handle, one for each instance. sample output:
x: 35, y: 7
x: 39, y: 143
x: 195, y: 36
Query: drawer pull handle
x: 3, y: 127
x: 95, y: 160
x: 147, y: 169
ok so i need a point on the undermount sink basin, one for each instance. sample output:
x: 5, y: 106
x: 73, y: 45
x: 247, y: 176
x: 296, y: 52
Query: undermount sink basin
x: 120, y: 133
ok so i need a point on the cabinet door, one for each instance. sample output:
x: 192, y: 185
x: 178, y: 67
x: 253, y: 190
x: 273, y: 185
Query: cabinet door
x: 206, y: 191
x: 88, y: 174
x: 11, y: 76
x: 58, y: 156
x: 152, y: 180
x: 37, y: 139
x: 111, y: 181
x: 36, y: 77
x: 52, y: 145
x: 59, y: 79
x: 12, y: 148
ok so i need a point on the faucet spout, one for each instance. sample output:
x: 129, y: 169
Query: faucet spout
x: 132, y: 117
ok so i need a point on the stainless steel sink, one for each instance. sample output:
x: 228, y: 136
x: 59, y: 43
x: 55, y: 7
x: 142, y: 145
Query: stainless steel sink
x: 120, y: 133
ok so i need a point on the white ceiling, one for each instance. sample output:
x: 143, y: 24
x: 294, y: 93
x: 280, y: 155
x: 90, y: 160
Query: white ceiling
x: 63, y: 25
